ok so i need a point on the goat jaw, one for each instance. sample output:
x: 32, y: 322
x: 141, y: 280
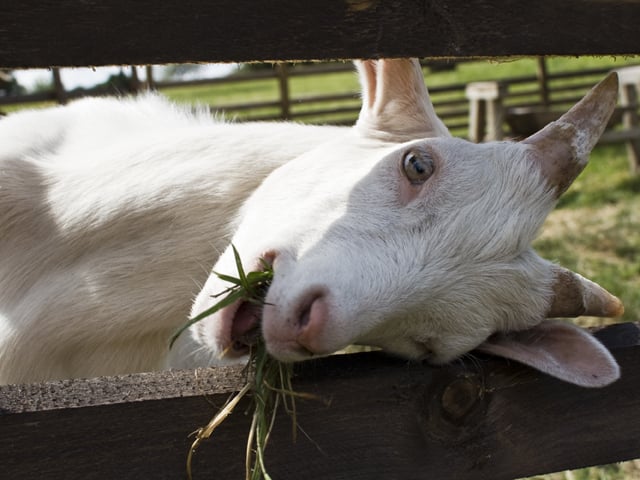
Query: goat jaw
x: 574, y: 295
x: 561, y: 149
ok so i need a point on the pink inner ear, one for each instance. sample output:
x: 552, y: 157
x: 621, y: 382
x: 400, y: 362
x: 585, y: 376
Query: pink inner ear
x: 559, y: 349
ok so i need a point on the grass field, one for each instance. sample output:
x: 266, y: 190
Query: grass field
x: 595, y: 229
x: 267, y: 89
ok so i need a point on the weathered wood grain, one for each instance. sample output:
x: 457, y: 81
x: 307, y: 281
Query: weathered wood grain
x: 484, y: 418
x: 137, y: 387
x: 37, y: 33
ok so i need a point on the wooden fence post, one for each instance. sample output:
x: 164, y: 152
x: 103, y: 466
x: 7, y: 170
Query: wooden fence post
x: 150, y: 81
x: 486, y: 111
x: 135, y: 85
x: 629, y: 83
x: 58, y: 86
x: 543, y: 80
x: 283, y: 82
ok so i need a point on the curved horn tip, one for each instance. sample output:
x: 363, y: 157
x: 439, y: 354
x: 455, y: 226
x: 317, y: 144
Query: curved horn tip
x: 598, y: 301
x: 598, y: 104
x: 611, y: 81
x: 561, y: 149
x: 574, y: 295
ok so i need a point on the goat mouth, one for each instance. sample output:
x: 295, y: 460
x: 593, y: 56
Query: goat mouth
x: 245, y: 328
x: 243, y: 318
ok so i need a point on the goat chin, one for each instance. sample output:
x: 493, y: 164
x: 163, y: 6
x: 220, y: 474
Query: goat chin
x: 113, y: 213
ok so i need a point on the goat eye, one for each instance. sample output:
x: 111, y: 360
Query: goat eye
x: 417, y: 167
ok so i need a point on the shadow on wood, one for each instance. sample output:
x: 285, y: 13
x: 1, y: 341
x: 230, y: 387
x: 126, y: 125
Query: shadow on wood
x: 481, y: 418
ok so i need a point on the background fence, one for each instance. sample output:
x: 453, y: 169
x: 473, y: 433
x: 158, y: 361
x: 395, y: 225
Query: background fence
x: 555, y: 91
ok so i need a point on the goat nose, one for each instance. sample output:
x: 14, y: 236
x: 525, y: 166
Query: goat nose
x: 311, y: 323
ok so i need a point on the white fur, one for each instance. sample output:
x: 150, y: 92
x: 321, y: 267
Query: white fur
x: 425, y: 272
x: 112, y: 213
x: 362, y: 255
x: 430, y: 279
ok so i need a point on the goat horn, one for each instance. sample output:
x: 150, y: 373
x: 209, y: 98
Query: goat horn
x: 561, y: 149
x: 574, y: 295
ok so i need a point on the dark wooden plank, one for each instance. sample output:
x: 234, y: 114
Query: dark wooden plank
x: 388, y: 419
x: 40, y: 33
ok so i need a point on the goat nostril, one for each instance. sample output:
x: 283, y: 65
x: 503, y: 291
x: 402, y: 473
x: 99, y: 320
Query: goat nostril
x: 313, y: 311
x: 312, y: 322
x: 303, y: 320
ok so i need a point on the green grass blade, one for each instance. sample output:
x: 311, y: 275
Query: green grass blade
x: 228, y: 300
x: 259, y: 277
x: 229, y: 278
x: 241, y: 274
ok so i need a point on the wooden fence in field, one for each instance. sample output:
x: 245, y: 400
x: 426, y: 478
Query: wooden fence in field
x: 527, y: 102
x: 522, y: 93
x: 387, y: 419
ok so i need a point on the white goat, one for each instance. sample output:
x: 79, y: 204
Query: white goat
x: 391, y: 233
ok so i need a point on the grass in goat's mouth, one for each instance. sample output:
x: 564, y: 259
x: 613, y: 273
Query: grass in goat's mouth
x: 248, y: 287
x: 268, y: 380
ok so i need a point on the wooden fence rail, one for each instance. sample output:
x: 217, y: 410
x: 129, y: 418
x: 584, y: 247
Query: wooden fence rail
x: 36, y: 33
x: 484, y: 419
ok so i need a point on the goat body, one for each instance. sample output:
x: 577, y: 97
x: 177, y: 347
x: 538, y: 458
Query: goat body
x: 111, y: 216
x: 391, y: 233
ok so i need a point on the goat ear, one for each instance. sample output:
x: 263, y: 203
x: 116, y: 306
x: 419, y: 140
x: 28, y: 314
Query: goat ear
x: 561, y: 149
x: 396, y: 104
x: 367, y: 74
x: 559, y: 349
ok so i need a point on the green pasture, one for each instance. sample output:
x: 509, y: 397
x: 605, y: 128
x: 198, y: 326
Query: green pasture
x: 267, y: 89
x: 595, y: 229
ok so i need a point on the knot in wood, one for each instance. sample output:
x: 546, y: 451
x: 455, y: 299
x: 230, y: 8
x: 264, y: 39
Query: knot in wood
x: 459, y: 398
x: 456, y: 404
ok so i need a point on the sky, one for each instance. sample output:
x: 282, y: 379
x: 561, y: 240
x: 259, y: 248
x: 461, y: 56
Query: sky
x: 88, y: 77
